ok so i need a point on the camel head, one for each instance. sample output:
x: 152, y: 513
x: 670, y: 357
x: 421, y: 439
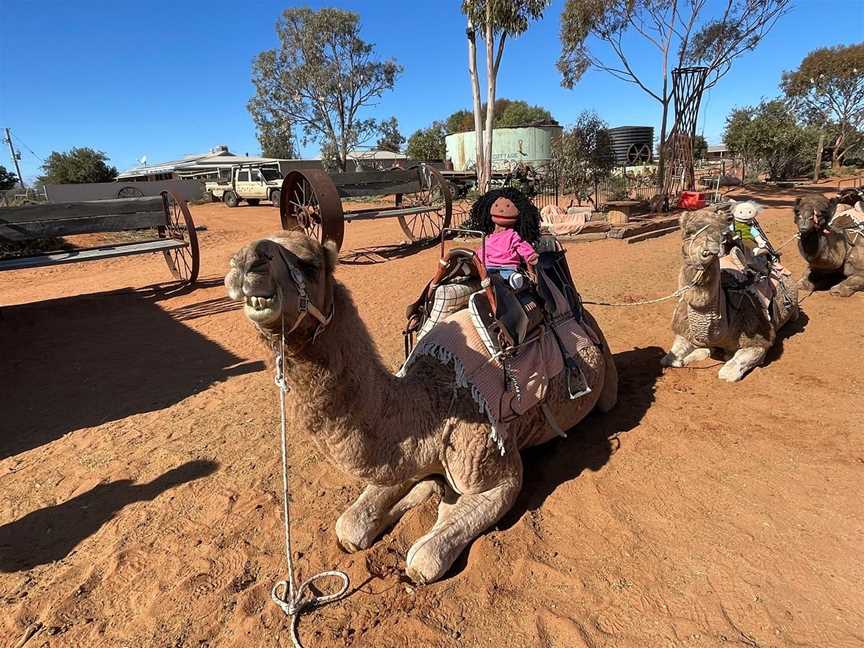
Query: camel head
x: 813, y: 212
x: 704, y: 233
x: 269, y: 276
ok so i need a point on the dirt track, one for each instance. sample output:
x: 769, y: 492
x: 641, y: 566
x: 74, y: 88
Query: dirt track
x: 139, y: 474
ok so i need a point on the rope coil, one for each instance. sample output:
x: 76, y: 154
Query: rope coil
x: 294, y: 600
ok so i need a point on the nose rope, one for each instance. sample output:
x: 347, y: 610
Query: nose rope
x: 290, y: 598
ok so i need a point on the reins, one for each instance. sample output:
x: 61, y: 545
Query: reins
x: 678, y: 293
x: 294, y: 600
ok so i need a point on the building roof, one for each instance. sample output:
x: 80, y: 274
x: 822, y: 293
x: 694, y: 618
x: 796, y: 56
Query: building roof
x: 216, y: 158
x: 376, y: 154
x: 717, y: 148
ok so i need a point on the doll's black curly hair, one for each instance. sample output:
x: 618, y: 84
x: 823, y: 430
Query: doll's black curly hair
x: 528, y: 225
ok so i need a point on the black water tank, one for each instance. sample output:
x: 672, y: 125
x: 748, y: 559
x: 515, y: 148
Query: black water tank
x: 632, y: 144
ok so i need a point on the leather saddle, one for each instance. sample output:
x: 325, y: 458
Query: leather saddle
x: 510, y: 316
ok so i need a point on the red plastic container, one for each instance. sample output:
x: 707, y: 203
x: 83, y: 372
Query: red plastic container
x: 691, y: 200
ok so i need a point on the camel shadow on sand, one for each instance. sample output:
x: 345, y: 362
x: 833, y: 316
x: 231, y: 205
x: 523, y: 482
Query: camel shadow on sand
x: 590, y: 444
x: 51, y: 533
x: 77, y: 362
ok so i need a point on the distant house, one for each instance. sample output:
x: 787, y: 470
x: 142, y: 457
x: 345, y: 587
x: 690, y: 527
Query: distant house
x: 717, y: 152
x: 375, y: 159
x: 206, y: 166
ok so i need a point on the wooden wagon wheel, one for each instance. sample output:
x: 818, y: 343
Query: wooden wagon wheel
x: 130, y: 192
x: 310, y: 201
x: 434, y: 192
x: 183, y: 262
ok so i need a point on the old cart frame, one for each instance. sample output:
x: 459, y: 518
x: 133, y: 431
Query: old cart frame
x: 312, y: 201
x: 165, y: 216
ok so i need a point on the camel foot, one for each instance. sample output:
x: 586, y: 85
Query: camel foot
x: 671, y: 360
x: 743, y: 361
x: 841, y: 291
x: 697, y: 356
x: 461, y: 518
x: 678, y: 354
x: 806, y: 285
x: 377, y: 509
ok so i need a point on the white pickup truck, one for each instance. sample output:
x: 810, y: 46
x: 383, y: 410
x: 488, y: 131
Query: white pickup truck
x: 252, y: 184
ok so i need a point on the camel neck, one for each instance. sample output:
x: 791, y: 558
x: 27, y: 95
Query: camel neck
x: 705, y: 295
x: 346, y: 397
x: 810, y: 242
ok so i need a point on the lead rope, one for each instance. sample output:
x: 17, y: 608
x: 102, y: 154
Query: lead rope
x: 286, y: 594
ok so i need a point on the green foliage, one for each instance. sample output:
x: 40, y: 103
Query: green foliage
x: 700, y: 148
x: 771, y: 135
x: 320, y: 78
x: 428, y: 143
x: 78, y: 166
x: 827, y: 90
x: 508, y: 112
x: 508, y: 16
x: 685, y: 30
x: 275, y: 137
x: 7, y: 179
x: 583, y: 154
x: 391, y: 139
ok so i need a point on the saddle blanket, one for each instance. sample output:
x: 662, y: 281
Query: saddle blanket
x: 501, y: 396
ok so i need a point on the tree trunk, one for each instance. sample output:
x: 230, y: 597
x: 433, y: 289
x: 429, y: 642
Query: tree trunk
x: 819, y: 148
x: 661, y: 156
x: 837, y: 154
x: 475, y: 93
x: 490, y: 99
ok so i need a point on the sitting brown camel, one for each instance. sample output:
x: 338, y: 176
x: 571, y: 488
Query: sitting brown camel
x: 711, y: 319
x: 399, y: 435
x: 828, y: 249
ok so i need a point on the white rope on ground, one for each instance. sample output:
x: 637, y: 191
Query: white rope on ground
x: 291, y: 599
x: 677, y: 293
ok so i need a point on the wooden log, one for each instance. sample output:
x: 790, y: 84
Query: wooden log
x: 84, y: 225
x: 633, y: 229
x: 649, y: 235
x: 378, y: 189
x: 83, y: 209
x: 585, y: 238
x: 90, y: 254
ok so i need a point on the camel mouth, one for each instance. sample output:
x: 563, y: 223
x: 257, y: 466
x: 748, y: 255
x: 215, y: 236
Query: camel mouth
x: 262, y: 309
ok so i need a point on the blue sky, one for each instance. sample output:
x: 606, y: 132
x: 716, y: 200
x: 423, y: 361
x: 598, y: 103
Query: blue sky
x: 168, y: 79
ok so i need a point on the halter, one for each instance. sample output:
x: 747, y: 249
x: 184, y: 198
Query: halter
x: 304, y: 304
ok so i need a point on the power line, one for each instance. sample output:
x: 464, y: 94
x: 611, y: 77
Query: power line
x: 18, y: 139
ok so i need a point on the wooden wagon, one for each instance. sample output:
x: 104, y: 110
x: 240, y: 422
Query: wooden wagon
x: 312, y: 200
x: 162, y: 224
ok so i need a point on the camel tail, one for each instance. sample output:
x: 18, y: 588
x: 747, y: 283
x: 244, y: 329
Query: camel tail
x: 609, y: 392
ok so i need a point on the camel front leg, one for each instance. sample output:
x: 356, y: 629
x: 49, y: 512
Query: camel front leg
x: 461, y: 518
x: 378, y: 508
x: 683, y: 353
x: 743, y: 361
x: 848, y: 286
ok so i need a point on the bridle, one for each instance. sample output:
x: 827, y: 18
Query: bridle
x: 305, y: 307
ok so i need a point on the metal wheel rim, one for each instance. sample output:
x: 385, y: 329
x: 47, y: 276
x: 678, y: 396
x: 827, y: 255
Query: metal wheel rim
x: 182, y: 262
x: 310, y: 202
x: 428, y: 225
x: 130, y: 192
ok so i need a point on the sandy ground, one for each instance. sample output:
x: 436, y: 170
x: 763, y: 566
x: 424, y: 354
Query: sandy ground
x: 140, y: 478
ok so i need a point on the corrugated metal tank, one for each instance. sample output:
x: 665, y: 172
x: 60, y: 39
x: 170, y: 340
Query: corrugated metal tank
x: 632, y: 144
x: 531, y: 144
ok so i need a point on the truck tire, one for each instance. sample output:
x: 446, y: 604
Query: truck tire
x: 275, y: 197
x: 230, y: 198
x: 253, y: 201
x: 211, y: 197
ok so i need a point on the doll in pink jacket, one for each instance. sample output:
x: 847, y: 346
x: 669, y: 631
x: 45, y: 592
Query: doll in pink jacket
x: 512, y: 225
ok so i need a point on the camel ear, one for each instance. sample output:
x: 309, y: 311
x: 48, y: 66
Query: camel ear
x: 331, y: 256
x: 686, y: 216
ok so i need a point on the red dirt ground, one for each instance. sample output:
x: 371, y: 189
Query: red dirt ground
x: 140, y: 477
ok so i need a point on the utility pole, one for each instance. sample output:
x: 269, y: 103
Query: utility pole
x: 15, y: 157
